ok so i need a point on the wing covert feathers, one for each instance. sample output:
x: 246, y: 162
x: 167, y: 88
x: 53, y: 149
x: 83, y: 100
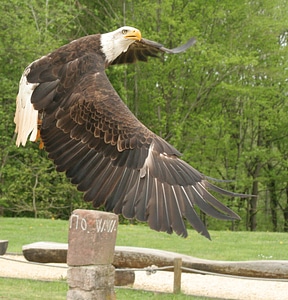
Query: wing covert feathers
x: 93, y: 137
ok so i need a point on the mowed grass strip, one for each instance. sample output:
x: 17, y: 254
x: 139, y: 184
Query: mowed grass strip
x: 24, y: 289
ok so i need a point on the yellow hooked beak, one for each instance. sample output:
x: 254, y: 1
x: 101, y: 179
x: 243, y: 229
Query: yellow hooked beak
x: 134, y: 34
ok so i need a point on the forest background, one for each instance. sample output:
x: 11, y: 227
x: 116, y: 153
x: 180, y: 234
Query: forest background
x: 223, y: 103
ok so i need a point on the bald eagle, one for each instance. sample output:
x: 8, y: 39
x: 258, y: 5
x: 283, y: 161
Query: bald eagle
x: 66, y: 98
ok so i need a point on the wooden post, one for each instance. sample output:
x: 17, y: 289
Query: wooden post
x: 177, y: 275
x: 92, y: 237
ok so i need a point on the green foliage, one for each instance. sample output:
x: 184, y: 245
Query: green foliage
x: 222, y: 103
x: 30, y: 185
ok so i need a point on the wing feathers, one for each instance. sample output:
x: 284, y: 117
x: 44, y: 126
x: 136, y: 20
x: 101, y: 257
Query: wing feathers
x: 79, y: 172
x: 141, y: 50
x: 160, y: 47
x: 111, y: 156
x: 108, y: 187
x: 119, y: 196
x: 45, y: 94
x: 158, y: 212
x: 206, y: 196
x: 163, y: 192
x: 146, y: 188
x: 224, y: 192
x: 177, y: 207
x: 191, y: 215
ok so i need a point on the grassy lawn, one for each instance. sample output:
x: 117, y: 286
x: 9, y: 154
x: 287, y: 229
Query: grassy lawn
x: 225, y: 245
x: 32, y: 289
x: 13, y: 289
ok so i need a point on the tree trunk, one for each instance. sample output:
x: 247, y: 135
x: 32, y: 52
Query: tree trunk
x: 273, y: 203
x: 255, y: 171
x: 253, y: 202
x: 273, y: 199
x: 253, y: 207
x: 34, y: 196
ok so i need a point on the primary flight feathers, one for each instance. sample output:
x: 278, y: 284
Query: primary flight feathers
x: 104, y: 149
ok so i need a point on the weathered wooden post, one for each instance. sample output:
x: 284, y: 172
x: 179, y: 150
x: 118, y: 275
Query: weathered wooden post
x: 177, y: 275
x: 92, y: 237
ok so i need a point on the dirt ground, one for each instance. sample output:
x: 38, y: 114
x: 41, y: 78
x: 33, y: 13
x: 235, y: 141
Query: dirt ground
x: 16, y: 266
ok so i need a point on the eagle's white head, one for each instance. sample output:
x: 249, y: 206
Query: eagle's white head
x: 118, y: 41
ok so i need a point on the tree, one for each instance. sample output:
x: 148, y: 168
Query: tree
x: 29, y: 29
x: 222, y: 103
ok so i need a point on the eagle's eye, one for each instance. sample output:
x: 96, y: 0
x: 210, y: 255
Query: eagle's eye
x: 124, y: 31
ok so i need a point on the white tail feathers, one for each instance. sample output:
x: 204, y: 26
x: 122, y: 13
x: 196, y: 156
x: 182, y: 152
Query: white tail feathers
x: 26, y: 117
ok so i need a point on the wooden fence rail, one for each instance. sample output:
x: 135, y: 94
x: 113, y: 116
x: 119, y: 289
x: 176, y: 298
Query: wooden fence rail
x: 134, y: 257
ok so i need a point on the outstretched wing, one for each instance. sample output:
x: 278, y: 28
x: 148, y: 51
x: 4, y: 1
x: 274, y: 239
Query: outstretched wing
x: 141, y: 50
x: 106, y: 151
x: 111, y: 156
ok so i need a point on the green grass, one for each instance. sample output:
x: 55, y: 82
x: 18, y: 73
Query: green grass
x: 31, y: 289
x: 21, y: 231
x: 225, y: 245
x: 124, y: 294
